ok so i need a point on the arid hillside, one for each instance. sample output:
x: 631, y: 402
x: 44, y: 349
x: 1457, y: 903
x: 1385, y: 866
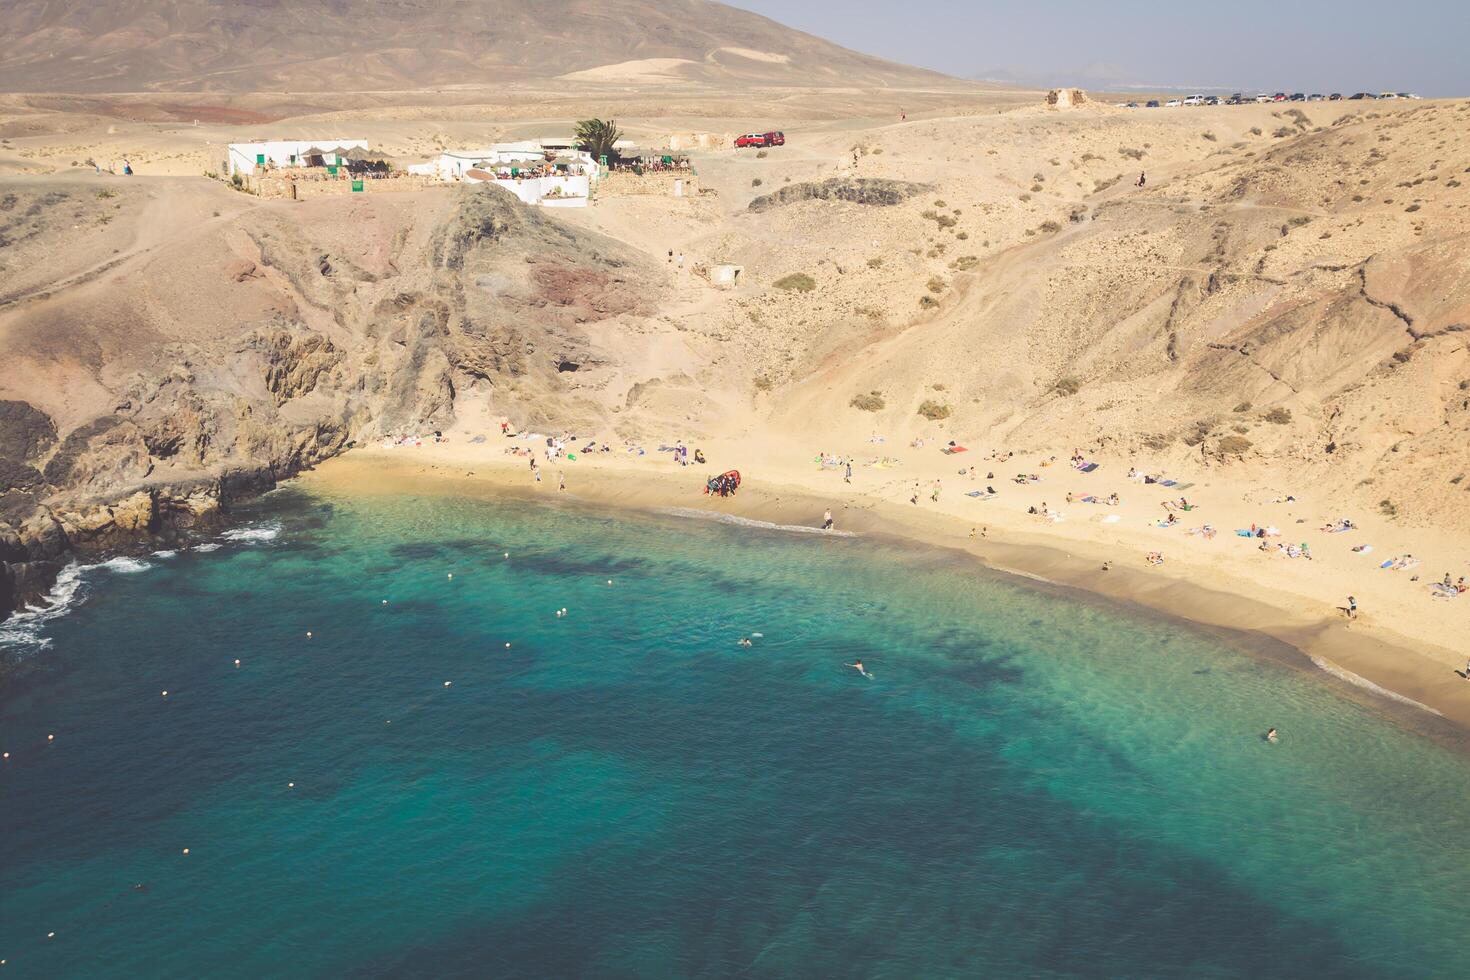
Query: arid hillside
x: 1283, y: 301
x: 354, y: 45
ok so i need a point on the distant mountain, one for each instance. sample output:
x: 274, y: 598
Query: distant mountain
x: 303, y: 45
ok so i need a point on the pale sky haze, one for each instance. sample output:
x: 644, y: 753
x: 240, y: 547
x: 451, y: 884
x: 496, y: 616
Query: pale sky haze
x: 1314, y: 46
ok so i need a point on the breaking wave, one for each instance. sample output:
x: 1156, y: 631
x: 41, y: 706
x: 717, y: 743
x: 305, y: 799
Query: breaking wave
x: 23, y: 630
x: 256, y: 532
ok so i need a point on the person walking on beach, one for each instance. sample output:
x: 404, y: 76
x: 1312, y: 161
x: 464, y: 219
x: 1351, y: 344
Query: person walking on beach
x: 847, y: 477
x: 827, y: 520
x: 1352, y: 608
x: 561, y: 481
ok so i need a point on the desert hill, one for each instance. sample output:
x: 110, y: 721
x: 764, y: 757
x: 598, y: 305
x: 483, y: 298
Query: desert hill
x: 355, y: 45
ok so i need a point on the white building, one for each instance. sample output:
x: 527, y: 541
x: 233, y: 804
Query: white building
x: 548, y: 173
x: 244, y: 158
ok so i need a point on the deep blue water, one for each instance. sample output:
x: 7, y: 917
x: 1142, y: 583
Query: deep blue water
x: 1030, y: 784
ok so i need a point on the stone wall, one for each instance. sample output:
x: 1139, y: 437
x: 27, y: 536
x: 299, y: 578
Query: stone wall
x: 308, y: 185
x: 625, y: 184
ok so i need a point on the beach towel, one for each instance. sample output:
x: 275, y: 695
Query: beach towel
x: 1088, y: 467
x: 981, y: 494
x: 951, y: 450
x: 1241, y: 532
x: 1364, y: 549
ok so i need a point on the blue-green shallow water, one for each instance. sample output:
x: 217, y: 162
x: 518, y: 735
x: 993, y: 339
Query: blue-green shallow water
x: 1029, y: 785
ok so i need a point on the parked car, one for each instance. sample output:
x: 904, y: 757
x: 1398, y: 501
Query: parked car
x: 751, y: 139
x: 1358, y: 96
x: 1297, y: 97
x: 1132, y: 105
x: 1213, y: 100
x: 1152, y: 104
x: 1279, y: 97
x: 1388, y: 95
x: 1263, y: 97
x: 776, y: 138
x: 1409, y: 95
x: 1235, y: 99
x: 1195, y: 100
x: 1335, y: 97
x: 1314, y: 97
x: 1173, y: 104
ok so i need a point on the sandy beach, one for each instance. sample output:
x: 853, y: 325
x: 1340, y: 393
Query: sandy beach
x: 1405, y: 644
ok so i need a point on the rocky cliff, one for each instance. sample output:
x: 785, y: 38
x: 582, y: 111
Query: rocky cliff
x: 221, y: 353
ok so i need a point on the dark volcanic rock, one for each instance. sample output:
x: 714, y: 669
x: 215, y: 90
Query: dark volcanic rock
x: 856, y: 190
x: 25, y: 431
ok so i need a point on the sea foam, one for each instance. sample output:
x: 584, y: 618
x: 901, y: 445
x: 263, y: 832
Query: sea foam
x: 23, y: 630
x: 254, y: 533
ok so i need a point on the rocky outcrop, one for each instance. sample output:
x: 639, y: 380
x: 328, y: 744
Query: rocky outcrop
x: 341, y: 341
x: 855, y: 190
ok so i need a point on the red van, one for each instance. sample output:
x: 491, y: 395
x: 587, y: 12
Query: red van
x: 775, y: 139
x: 751, y: 139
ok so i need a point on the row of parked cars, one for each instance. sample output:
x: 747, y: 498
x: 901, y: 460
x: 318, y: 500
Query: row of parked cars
x: 1240, y: 98
x: 761, y: 139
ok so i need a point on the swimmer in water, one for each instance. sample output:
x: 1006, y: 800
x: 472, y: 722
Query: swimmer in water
x: 1271, y: 735
x: 859, y: 668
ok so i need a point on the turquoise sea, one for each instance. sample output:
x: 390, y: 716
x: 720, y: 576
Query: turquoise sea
x: 1029, y: 784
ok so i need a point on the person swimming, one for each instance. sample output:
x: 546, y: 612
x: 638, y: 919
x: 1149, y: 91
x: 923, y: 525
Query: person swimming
x: 1271, y: 735
x: 859, y: 668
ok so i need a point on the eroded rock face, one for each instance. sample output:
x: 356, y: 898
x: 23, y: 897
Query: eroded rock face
x: 342, y: 340
x: 25, y: 431
x: 855, y: 190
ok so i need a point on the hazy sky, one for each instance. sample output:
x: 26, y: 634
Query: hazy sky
x: 1292, y: 45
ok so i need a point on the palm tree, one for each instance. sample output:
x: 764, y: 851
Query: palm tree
x: 597, y: 136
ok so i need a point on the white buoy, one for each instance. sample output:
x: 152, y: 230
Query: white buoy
x: 447, y: 683
x: 609, y: 581
x: 290, y: 785
x: 50, y: 935
x: 7, y: 755
x: 237, y: 661
x: 507, y: 554
x: 186, y: 850
x: 385, y: 602
x: 50, y: 738
x: 451, y: 575
x: 308, y: 634
x: 165, y: 694
x: 507, y: 646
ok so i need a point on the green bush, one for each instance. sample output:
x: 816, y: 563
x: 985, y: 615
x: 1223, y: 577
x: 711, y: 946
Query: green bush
x: 1068, y: 386
x: 870, y: 402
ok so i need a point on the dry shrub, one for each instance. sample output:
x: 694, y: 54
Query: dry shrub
x: 933, y: 411
x: 797, y: 282
x: 870, y: 402
x: 1233, y: 446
